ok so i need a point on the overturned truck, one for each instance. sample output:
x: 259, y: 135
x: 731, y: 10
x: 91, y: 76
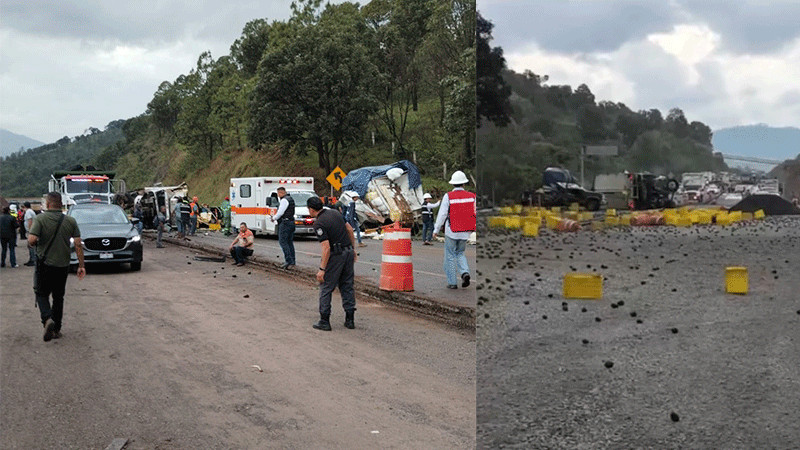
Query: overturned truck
x: 390, y: 194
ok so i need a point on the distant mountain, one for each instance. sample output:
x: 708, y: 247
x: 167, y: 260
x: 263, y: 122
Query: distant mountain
x: 12, y: 142
x: 759, y: 141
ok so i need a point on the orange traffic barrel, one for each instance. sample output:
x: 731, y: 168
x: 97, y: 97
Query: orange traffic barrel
x: 396, y: 268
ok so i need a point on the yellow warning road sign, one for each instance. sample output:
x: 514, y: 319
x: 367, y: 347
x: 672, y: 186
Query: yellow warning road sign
x: 335, y: 178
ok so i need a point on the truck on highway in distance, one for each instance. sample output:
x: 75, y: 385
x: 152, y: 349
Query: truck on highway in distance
x: 559, y: 188
x: 649, y: 191
x: 255, y: 199
x: 80, y: 186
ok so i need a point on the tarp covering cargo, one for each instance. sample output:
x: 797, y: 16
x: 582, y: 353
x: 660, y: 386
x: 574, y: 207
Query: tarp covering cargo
x: 772, y: 205
x: 358, y: 179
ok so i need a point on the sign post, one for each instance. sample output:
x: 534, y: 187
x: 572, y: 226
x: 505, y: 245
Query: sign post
x: 335, y: 178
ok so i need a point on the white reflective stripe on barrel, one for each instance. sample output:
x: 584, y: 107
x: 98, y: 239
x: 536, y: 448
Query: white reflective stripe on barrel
x: 462, y: 200
x: 395, y: 259
x: 397, y: 235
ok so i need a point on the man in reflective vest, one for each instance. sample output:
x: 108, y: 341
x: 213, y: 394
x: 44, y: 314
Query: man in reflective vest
x: 226, y: 216
x: 194, y: 211
x: 458, y: 215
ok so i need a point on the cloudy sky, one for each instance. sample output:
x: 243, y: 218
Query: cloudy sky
x: 68, y: 65
x: 724, y: 63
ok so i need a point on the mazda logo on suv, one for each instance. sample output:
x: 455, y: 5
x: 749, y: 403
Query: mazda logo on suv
x: 106, y: 242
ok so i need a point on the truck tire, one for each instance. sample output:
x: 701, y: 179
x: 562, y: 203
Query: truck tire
x: 593, y: 204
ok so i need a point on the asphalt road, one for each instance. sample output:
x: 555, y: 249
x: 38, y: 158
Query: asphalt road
x: 666, y: 359
x: 165, y: 358
x: 429, y: 278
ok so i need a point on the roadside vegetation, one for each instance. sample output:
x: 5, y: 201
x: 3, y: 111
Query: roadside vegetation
x: 334, y: 85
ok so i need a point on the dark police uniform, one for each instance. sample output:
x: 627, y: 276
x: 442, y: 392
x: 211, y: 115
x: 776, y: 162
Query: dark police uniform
x: 286, y: 229
x: 330, y: 226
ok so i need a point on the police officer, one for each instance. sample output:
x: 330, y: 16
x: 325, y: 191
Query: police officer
x: 186, y: 212
x: 336, y: 267
x: 285, y: 218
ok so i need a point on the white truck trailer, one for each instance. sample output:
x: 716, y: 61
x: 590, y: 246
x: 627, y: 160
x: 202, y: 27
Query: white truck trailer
x: 255, y: 199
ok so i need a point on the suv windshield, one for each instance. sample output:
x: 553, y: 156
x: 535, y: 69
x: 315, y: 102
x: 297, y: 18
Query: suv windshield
x: 103, y: 215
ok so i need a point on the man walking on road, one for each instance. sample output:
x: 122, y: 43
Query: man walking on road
x: 29, y: 216
x: 458, y: 214
x: 50, y: 235
x: 336, y: 267
x: 242, y: 246
x: 8, y: 237
x: 286, y: 227
x: 427, y: 219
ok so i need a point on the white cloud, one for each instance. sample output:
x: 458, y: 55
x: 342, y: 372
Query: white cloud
x: 688, y: 68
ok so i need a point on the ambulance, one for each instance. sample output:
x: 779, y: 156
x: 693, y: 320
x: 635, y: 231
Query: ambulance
x: 255, y: 199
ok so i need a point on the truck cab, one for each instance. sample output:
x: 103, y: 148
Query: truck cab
x: 255, y: 199
x: 559, y: 188
x: 85, y: 186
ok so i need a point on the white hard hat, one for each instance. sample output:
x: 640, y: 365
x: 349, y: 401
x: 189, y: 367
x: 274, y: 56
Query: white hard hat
x: 458, y: 178
x: 352, y: 194
x: 426, y: 196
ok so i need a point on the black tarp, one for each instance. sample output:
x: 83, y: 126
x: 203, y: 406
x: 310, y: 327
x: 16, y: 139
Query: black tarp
x: 773, y: 205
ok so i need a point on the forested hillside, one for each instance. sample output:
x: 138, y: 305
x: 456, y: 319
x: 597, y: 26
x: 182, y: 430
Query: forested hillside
x: 340, y: 84
x: 26, y: 173
x: 548, y: 124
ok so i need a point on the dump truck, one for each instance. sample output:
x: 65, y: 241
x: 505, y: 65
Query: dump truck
x: 649, y: 191
x: 389, y: 194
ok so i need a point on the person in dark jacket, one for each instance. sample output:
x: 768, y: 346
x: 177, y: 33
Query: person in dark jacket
x: 8, y: 236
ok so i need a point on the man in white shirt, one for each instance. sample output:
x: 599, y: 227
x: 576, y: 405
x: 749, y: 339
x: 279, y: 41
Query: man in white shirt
x: 285, y: 218
x: 28, y: 221
x: 458, y: 215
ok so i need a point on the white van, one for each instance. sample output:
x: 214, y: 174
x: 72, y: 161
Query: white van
x: 254, y: 199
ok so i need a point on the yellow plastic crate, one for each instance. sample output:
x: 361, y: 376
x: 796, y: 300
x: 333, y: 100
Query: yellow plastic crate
x: 587, y: 216
x: 704, y: 218
x: 214, y: 226
x: 513, y: 222
x: 612, y: 221
x: 506, y: 211
x: 598, y: 226
x: 497, y: 222
x: 530, y: 230
x: 735, y: 216
x: 552, y: 221
x: 573, y: 215
x: 747, y: 216
x: 736, y: 280
x: 759, y: 214
x: 574, y: 207
x: 723, y: 219
x: 625, y: 220
x: 517, y: 209
x: 683, y: 221
x: 583, y: 285
x: 556, y: 209
x: 611, y: 212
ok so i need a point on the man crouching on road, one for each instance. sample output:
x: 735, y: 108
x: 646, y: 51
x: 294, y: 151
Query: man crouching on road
x: 50, y: 234
x: 242, y: 246
x: 336, y: 267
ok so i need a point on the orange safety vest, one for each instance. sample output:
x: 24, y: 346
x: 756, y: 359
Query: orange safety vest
x: 192, y: 206
x: 462, y: 211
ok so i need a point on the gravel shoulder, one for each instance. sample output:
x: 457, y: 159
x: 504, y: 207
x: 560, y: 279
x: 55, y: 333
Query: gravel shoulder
x: 725, y: 366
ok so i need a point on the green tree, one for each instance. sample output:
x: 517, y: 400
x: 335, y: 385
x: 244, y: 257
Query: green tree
x: 248, y: 49
x: 491, y: 90
x: 315, y: 88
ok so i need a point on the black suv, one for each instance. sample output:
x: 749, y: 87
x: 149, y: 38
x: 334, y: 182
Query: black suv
x: 107, y: 236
